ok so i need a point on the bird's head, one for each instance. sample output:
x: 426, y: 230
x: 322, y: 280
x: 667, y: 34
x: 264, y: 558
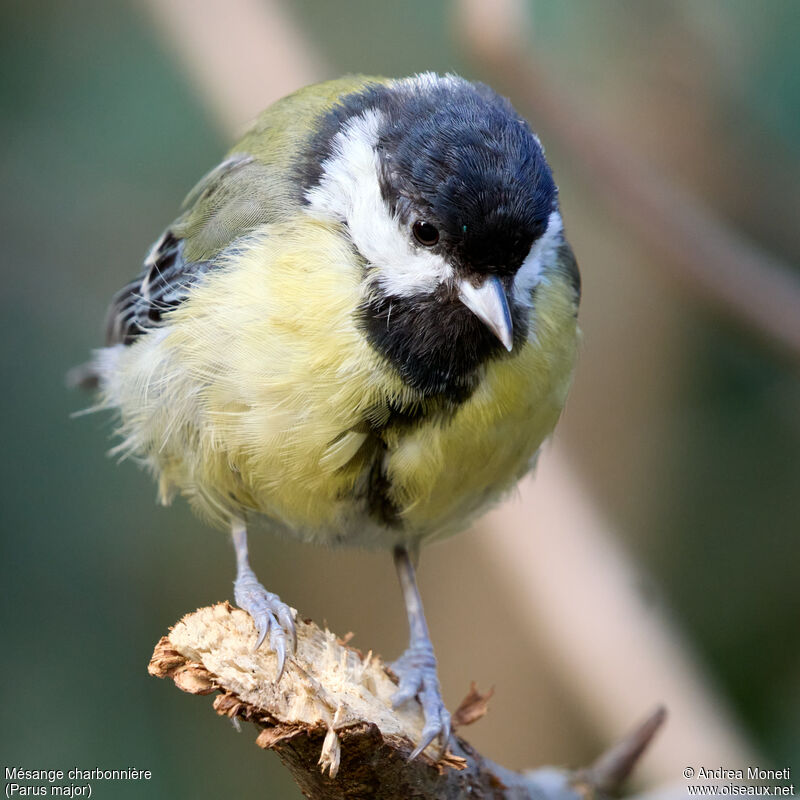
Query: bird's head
x: 445, y: 193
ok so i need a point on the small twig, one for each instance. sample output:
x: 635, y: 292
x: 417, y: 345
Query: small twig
x: 612, y: 769
x: 330, y: 719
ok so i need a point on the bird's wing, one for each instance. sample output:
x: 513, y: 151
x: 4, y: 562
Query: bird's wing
x: 253, y: 186
x: 237, y: 196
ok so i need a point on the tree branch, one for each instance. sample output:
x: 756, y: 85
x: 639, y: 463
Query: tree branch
x: 331, y: 722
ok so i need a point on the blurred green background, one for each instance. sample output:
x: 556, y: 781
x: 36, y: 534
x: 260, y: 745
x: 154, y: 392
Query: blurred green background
x: 686, y: 428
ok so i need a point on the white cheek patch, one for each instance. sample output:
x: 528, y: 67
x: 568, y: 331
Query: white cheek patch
x: 349, y: 192
x: 541, y: 255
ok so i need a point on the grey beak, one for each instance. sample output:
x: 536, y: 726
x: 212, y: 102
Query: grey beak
x: 489, y: 303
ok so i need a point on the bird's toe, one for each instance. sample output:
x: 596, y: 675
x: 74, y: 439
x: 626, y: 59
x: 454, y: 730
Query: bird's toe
x: 271, y: 616
x: 416, y: 669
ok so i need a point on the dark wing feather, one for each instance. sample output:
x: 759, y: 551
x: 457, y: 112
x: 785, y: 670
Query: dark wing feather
x: 162, y: 286
x: 233, y: 199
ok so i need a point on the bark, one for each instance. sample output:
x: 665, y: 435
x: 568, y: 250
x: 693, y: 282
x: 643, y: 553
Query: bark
x: 331, y: 722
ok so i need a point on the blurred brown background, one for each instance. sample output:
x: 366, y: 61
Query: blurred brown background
x: 681, y: 437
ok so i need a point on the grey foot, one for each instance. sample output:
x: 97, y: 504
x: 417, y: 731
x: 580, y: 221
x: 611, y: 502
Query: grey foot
x: 416, y: 669
x: 270, y: 614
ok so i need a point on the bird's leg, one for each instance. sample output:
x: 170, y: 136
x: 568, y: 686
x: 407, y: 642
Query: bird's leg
x: 269, y: 613
x: 416, y: 668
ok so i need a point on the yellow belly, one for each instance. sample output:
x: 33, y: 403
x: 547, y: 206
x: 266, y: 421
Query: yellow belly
x: 262, y: 395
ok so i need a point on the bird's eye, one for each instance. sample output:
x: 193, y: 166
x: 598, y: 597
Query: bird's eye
x: 425, y: 233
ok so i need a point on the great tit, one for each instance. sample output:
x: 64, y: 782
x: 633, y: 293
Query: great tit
x: 361, y: 329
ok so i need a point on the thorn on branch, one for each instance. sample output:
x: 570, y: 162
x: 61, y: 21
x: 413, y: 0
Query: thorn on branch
x: 607, y: 775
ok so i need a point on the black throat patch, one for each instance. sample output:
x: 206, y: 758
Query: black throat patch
x: 435, y: 342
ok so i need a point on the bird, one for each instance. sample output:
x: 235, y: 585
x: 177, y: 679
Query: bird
x: 360, y: 329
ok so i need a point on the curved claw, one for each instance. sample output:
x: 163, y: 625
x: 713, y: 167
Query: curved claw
x: 436, y: 726
x: 432, y: 699
x: 262, y: 629
x: 428, y: 735
x: 417, y: 671
x: 287, y: 623
x: 445, y: 733
x: 270, y: 616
